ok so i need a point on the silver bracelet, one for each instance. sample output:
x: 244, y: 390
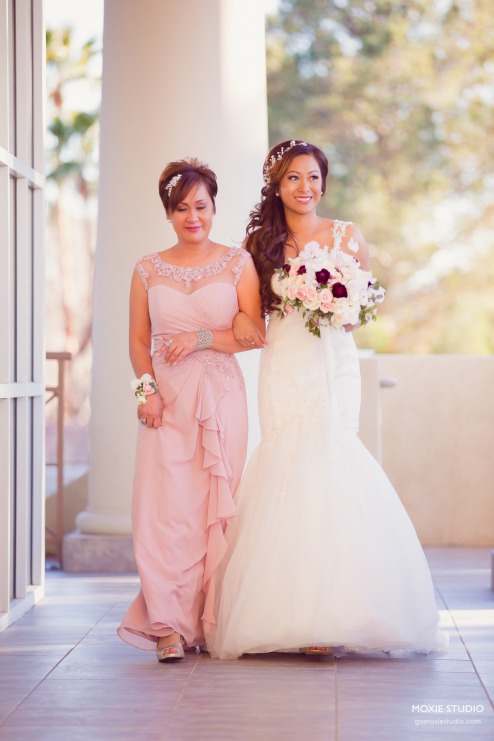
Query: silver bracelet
x: 204, y: 339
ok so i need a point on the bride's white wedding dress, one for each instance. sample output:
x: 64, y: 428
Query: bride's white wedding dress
x: 321, y: 551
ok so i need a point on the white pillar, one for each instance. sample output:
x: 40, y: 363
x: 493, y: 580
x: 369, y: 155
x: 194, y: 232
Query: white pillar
x: 179, y: 79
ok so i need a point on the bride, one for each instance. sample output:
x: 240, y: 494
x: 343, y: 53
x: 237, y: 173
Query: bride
x: 321, y: 554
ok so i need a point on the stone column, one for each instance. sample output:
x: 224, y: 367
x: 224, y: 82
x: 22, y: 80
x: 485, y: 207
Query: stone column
x: 179, y: 79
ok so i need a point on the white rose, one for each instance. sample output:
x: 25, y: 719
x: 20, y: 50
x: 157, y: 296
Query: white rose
x: 353, y: 289
x: 311, y: 250
x: 301, y: 282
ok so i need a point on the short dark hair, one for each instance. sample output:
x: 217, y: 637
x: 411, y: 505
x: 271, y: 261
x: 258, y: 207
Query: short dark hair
x: 189, y: 172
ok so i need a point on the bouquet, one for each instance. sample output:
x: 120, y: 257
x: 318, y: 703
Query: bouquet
x: 329, y: 287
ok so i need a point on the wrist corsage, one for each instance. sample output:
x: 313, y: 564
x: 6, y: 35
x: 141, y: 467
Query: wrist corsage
x: 144, y: 387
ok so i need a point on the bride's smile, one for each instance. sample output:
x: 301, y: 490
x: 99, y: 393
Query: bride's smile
x: 301, y: 186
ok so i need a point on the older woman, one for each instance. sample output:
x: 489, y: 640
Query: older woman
x: 192, y: 414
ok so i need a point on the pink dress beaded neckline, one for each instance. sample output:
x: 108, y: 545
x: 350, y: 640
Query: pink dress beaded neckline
x: 189, y: 274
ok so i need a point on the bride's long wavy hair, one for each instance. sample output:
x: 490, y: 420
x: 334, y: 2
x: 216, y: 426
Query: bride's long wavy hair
x: 267, y: 230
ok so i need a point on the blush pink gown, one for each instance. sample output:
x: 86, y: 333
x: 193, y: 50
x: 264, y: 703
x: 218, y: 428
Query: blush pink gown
x: 187, y: 470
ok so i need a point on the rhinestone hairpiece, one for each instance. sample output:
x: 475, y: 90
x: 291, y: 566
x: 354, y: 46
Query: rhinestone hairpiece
x: 172, y: 183
x: 277, y: 156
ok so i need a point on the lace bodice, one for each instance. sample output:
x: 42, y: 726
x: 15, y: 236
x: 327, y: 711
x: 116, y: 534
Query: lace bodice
x: 227, y: 268
x: 338, y: 231
x: 185, y: 299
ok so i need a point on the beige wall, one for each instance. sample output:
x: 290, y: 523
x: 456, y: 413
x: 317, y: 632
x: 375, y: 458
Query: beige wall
x: 437, y: 432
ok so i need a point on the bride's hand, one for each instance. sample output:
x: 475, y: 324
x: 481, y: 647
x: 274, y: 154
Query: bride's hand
x: 246, y: 332
x: 350, y: 327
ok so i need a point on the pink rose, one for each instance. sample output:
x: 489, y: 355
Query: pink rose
x: 300, y: 294
x: 288, y: 309
x: 327, y: 303
x: 312, y: 300
x: 292, y: 293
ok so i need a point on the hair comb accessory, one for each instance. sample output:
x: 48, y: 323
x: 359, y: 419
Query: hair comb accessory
x: 277, y: 156
x: 172, y: 183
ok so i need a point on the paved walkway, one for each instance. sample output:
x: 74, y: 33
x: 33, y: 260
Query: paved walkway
x: 65, y: 675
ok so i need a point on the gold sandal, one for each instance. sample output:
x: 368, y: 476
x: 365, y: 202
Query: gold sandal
x: 317, y: 651
x: 173, y: 652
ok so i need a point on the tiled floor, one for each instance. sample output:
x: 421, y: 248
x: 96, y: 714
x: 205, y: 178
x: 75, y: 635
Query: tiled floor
x: 65, y: 675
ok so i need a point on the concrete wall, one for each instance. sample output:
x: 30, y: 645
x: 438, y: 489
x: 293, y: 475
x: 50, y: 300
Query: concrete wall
x: 437, y: 441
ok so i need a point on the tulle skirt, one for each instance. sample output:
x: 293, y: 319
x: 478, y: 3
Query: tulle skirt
x: 321, y: 550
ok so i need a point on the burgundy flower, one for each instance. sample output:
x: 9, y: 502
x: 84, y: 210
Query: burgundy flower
x: 286, y: 268
x: 322, y: 276
x: 339, y: 290
x: 302, y: 269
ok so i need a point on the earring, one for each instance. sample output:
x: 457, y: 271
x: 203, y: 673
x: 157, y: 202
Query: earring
x: 277, y: 194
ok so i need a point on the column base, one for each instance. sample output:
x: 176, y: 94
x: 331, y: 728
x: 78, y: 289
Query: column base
x: 98, y: 553
x: 103, y: 523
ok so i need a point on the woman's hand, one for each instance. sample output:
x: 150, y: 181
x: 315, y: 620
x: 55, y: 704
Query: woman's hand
x: 181, y: 345
x: 151, y: 411
x: 351, y: 327
x: 246, y: 332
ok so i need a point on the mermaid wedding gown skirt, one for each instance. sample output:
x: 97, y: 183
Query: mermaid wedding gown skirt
x: 321, y: 550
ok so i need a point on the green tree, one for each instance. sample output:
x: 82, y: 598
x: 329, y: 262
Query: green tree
x: 399, y: 94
